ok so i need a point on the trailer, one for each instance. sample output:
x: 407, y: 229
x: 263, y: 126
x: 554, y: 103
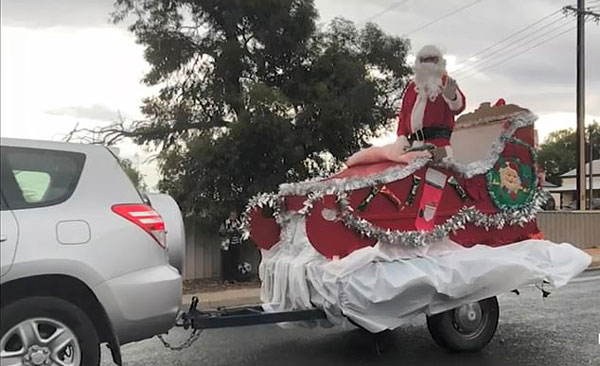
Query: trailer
x: 378, y: 243
x: 467, y: 328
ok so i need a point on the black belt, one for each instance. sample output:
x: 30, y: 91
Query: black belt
x: 430, y: 133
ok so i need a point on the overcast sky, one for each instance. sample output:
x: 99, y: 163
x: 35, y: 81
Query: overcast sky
x: 63, y: 63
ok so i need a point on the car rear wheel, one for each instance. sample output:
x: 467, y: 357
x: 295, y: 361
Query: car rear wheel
x: 467, y: 328
x: 47, y: 331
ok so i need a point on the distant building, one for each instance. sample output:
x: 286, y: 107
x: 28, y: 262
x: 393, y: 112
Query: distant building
x: 555, y: 204
x: 567, y: 191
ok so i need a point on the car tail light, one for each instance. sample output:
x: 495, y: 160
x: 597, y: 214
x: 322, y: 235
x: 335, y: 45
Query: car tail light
x: 146, y: 218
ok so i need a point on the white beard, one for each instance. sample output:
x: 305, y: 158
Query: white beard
x: 428, y: 79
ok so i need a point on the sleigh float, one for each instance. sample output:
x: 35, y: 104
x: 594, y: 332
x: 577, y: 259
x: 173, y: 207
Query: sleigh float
x: 378, y: 244
x: 488, y: 194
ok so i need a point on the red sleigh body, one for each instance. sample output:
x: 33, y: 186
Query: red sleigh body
x: 393, y: 210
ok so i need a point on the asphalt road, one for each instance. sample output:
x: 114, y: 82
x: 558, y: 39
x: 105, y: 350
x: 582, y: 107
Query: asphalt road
x: 563, y: 329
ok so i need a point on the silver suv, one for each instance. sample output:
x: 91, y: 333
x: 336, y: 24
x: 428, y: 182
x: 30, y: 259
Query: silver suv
x: 85, y: 258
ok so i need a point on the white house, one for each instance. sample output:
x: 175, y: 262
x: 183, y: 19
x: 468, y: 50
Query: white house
x: 567, y: 191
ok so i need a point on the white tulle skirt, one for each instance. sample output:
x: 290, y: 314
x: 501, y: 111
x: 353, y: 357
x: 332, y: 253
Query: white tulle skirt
x: 382, y: 287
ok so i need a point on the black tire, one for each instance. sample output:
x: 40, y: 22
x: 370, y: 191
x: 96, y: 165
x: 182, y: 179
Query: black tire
x: 445, y: 328
x: 58, y: 310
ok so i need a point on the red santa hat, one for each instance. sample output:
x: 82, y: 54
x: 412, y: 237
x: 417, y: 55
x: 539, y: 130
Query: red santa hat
x: 512, y: 165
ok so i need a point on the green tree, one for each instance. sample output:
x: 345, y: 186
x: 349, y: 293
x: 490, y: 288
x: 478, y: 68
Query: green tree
x: 558, y: 152
x: 254, y: 93
x: 133, y: 173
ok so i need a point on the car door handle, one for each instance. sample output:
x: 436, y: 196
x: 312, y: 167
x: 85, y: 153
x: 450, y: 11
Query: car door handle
x: 3, y: 239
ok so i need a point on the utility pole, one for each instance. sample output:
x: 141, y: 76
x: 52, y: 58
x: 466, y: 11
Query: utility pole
x: 581, y: 13
x: 591, y: 172
x: 581, y: 105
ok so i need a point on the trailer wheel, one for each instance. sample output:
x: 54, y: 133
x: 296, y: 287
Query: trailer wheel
x: 467, y: 328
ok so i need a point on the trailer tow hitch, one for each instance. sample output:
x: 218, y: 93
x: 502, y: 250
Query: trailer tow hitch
x: 185, y: 321
x: 200, y: 320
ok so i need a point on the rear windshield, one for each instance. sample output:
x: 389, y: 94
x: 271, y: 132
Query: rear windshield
x: 38, y: 177
x: 129, y: 171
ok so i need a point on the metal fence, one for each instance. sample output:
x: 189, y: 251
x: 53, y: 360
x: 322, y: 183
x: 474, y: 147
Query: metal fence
x: 579, y: 228
x: 203, y: 254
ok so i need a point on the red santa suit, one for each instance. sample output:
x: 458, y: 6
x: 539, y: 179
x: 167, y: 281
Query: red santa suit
x: 422, y: 117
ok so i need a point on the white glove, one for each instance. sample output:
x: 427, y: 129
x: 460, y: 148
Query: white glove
x: 450, y: 89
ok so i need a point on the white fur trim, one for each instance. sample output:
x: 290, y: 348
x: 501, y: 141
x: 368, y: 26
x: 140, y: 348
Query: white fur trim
x: 429, y: 50
x: 418, y: 112
x: 455, y: 104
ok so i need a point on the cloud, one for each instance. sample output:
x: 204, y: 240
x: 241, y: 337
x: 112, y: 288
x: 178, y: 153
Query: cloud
x: 79, y: 72
x: 98, y: 112
x: 64, y: 63
x: 56, y: 13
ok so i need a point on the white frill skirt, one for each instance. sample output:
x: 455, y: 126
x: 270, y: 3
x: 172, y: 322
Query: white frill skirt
x: 382, y: 287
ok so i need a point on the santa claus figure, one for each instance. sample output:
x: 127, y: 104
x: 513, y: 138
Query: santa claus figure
x: 429, y: 105
x: 430, y: 102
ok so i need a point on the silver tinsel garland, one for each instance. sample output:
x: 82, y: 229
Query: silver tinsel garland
x: 482, y: 166
x: 275, y: 202
x: 335, y: 185
x: 260, y: 201
x: 317, y: 188
x: 457, y: 222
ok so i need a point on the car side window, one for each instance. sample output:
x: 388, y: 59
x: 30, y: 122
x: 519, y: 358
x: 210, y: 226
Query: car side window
x: 34, y: 185
x: 38, y: 177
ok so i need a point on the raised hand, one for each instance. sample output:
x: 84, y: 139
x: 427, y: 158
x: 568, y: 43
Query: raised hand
x: 450, y: 89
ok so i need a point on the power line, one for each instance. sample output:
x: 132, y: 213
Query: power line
x: 386, y: 10
x: 591, y: 4
x: 586, y: 12
x: 519, y: 49
x: 442, y: 17
x: 515, y: 34
x: 488, y: 56
x: 512, y: 47
x: 520, y: 54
